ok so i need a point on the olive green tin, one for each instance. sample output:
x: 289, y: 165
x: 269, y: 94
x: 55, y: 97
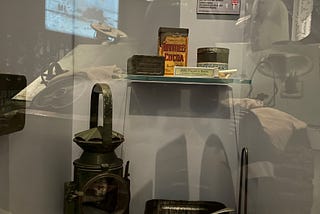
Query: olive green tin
x: 213, y: 57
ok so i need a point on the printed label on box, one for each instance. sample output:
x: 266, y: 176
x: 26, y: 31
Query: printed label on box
x: 174, y: 48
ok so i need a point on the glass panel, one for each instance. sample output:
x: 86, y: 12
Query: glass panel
x: 36, y: 156
x: 282, y: 59
x: 183, y: 135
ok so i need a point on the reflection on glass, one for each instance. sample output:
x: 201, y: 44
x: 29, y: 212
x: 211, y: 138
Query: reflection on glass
x: 280, y: 162
x: 12, y: 111
x: 102, y: 195
x: 75, y: 17
x: 269, y: 23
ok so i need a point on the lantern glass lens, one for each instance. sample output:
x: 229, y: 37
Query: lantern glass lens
x: 105, y: 195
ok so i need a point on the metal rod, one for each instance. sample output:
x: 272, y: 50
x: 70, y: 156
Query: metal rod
x: 244, y: 164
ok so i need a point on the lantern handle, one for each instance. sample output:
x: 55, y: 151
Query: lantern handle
x: 105, y: 91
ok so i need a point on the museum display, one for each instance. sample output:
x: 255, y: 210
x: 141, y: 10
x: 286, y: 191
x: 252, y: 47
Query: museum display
x: 214, y: 103
x: 100, y: 184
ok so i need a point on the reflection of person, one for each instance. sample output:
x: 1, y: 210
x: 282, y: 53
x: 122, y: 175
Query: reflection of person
x: 269, y: 24
x: 280, y: 161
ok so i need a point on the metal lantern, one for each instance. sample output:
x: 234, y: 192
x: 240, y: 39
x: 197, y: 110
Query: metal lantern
x: 100, y: 184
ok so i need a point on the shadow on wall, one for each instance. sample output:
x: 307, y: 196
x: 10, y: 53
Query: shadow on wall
x: 171, y: 178
x: 150, y: 15
x: 179, y: 100
x: 216, y: 179
x: 138, y: 200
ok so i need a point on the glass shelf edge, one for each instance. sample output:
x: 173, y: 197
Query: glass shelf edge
x: 185, y: 80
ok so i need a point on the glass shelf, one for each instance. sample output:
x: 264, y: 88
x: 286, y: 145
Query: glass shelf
x: 185, y: 80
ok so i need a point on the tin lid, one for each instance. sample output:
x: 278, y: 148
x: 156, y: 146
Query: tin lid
x: 173, y: 30
x: 213, y: 50
x: 213, y: 54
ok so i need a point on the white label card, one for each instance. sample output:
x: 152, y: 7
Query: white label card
x: 227, y: 7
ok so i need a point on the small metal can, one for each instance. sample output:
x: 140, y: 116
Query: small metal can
x: 213, y: 57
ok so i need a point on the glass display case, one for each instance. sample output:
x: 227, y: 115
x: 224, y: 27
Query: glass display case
x: 108, y: 107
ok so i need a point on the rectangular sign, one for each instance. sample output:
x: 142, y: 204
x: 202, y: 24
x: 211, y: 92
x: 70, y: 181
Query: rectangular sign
x: 227, y: 7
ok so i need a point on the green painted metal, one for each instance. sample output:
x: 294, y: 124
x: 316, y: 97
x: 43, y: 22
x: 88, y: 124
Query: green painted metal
x: 98, y: 157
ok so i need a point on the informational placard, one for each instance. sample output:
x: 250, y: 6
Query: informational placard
x: 227, y: 7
